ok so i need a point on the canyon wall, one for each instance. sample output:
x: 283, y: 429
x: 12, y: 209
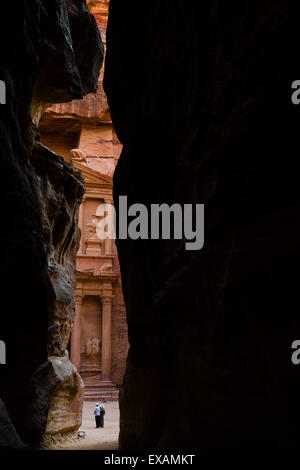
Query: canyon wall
x: 42, y: 62
x: 200, y: 98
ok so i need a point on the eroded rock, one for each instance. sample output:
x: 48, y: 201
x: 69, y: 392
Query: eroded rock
x: 66, y: 398
x: 41, y: 62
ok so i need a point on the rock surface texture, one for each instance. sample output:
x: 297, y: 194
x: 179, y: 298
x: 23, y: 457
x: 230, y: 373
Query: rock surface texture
x: 81, y: 132
x: 200, y: 97
x: 51, y: 52
x: 66, y: 396
x: 8, y: 436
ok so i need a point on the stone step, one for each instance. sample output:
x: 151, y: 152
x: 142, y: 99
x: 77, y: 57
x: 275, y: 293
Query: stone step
x: 97, y: 398
x: 99, y: 388
x: 101, y: 399
x: 100, y: 395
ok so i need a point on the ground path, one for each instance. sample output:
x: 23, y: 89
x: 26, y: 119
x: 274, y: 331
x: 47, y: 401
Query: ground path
x: 96, y: 439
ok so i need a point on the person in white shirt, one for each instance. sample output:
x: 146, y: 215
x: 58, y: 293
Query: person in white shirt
x: 97, y: 413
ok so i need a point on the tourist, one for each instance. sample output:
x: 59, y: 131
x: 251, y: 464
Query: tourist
x: 97, y: 414
x: 102, y: 413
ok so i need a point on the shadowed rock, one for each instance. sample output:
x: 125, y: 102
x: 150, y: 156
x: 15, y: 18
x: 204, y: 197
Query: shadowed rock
x: 41, y: 62
x: 9, y: 438
x: 200, y: 96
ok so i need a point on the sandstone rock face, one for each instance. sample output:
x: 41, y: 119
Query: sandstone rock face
x: 59, y: 190
x: 94, y: 106
x: 199, y: 94
x: 66, y: 397
x: 42, y: 61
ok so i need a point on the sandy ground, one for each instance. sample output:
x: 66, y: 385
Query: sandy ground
x: 96, y: 439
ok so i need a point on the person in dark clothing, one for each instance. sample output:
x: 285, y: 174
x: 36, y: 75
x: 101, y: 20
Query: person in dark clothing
x: 97, y: 414
x: 102, y: 413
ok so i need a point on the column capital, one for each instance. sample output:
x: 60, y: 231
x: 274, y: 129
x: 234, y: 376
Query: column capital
x: 106, y: 300
x: 109, y: 200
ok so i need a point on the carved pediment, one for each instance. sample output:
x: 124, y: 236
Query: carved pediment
x: 92, y: 176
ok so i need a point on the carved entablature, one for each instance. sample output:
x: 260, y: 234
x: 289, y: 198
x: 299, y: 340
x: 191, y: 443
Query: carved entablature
x: 106, y: 268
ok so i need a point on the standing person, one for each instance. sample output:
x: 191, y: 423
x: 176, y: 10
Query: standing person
x: 97, y: 412
x: 102, y: 413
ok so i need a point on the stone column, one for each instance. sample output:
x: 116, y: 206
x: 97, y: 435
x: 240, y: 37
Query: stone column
x: 75, y: 338
x: 106, y: 340
x: 108, y: 246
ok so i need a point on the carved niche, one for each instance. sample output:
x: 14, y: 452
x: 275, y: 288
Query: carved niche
x: 92, y: 347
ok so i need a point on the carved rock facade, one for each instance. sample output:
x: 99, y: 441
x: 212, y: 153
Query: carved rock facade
x: 82, y: 132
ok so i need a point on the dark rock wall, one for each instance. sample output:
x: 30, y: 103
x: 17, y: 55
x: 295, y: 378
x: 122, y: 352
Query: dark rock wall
x: 41, y: 62
x: 200, y: 96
